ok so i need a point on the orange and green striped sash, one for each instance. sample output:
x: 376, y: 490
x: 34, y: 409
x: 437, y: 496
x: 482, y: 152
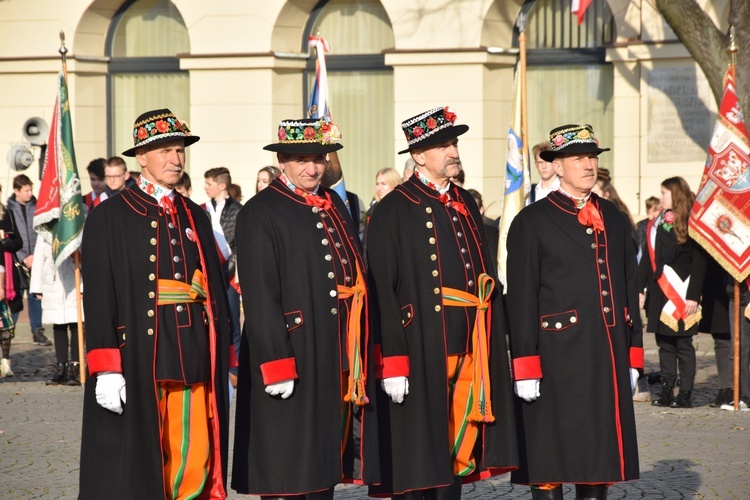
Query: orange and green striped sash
x: 356, y: 391
x: 463, y: 432
x: 481, y: 410
x: 179, y: 292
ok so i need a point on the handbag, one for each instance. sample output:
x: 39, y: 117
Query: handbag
x: 23, y: 275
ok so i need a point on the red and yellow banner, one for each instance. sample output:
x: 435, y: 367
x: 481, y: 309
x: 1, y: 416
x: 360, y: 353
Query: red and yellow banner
x: 720, y: 218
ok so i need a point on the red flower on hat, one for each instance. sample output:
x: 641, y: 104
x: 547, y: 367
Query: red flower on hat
x: 325, y: 127
x: 558, y: 140
x: 417, y: 131
x: 282, y: 133
x: 142, y: 133
x: 309, y: 133
x: 449, y: 115
x: 431, y: 123
x: 162, y: 126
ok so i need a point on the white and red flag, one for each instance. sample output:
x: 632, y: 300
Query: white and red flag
x: 720, y: 217
x: 579, y: 7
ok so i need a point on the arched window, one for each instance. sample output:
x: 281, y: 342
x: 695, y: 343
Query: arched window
x: 568, y: 79
x: 360, y: 85
x: 143, y: 42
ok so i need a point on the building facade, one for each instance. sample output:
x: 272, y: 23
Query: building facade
x: 235, y: 69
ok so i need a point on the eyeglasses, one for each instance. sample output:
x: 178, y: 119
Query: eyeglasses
x: 114, y: 177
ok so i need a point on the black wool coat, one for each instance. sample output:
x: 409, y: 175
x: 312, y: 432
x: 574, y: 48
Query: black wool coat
x: 574, y: 323
x: 291, y: 257
x: 121, y: 455
x: 414, y: 244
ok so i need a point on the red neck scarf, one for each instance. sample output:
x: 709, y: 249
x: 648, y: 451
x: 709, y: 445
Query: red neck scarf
x: 589, y: 216
x: 443, y: 195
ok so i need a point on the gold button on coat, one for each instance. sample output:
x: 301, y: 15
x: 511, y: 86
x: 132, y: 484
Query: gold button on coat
x: 151, y: 277
x: 152, y: 258
x: 154, y: 223
x: 151, y: 295
x: 429, y: 225
x: 437, y: 308
x: 150, y: 313
x: 153, y: 241
x: 150, y: 331
x: 428, y: 210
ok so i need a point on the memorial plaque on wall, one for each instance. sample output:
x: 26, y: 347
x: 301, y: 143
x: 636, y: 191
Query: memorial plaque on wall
x: 679, y: 122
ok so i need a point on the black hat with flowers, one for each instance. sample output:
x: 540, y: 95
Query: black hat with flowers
x: 156, y: 126
x: 431, y: 127
x: 572, y: 139
x: 307, y: 136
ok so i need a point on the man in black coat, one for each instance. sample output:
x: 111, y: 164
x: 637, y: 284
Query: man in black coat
x: 449, y: 416
x: 157, y: 334
x: 575, y: 333
x: 306, y: 416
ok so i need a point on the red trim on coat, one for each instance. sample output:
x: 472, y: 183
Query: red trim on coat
x: 103, y: 360
x: 527, y: 367
x: 278, y: 370
x: 395, y: 366
x: 636, y: 358
x: 377, y: 353
x: 233, y: 362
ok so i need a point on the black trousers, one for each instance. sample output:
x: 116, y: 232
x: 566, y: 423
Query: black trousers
x: 452, y: 492
x: 318, y: 495
x: 677, y: 352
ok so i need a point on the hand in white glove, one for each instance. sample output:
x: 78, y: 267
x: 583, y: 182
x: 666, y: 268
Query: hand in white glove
x: 110, y: 389
x: 283, y: 388
x: 634, y: 376
x: 528, y: 390
x: 397, y: 388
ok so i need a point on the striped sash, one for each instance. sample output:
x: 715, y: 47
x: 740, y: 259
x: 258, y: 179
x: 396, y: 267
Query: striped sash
x: 480, y: 387
x: 356, y: 390
x: 179, y: 292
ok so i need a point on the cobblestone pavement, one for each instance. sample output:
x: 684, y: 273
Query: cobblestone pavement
x: 694, y: 453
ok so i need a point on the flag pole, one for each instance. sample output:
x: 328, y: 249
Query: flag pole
x: 732, y: 50
x: 521, y: 23
x: 77, y: 254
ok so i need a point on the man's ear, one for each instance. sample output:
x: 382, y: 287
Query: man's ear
x: 418, y: 156
x: 557, y: 166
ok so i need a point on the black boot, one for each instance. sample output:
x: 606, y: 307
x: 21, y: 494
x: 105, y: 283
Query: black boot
x: 666, y: 396
x: 553, y: 494
x: 58, y: 375
x: 724, y: 397
x: 74, y: 373
x: 591, y: 491
x: 683, y: 400
x: 38, y: 337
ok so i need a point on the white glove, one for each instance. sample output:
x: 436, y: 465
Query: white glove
x: 283, y: 388
x: 397, y: 388
x: 110, y: 389
x: 634, y: 376
x: 528, y: 390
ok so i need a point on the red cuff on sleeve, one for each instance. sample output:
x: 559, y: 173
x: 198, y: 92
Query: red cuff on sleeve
x: 233, y: 363
x: 278, y: 370
x: 527, y: 367
x: 396, y: 366
x: 636, y: 358
x: 377, y: 354
x: 104, y: 360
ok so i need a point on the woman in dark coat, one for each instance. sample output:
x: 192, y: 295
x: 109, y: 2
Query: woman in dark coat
x: 672, y: 273
x: 10, y: 242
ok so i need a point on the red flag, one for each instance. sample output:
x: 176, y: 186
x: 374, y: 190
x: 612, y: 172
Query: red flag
x: 720, y: 217
x: 579, y: 9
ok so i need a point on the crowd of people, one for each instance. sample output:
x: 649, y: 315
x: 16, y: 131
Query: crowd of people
x: 368, y: 345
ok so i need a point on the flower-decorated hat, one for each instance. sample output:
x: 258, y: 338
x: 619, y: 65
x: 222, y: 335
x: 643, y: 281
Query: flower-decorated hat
x: 431, y: 127
x: 307, y: 136
x: 571, y: 139
x: 158, y: 125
